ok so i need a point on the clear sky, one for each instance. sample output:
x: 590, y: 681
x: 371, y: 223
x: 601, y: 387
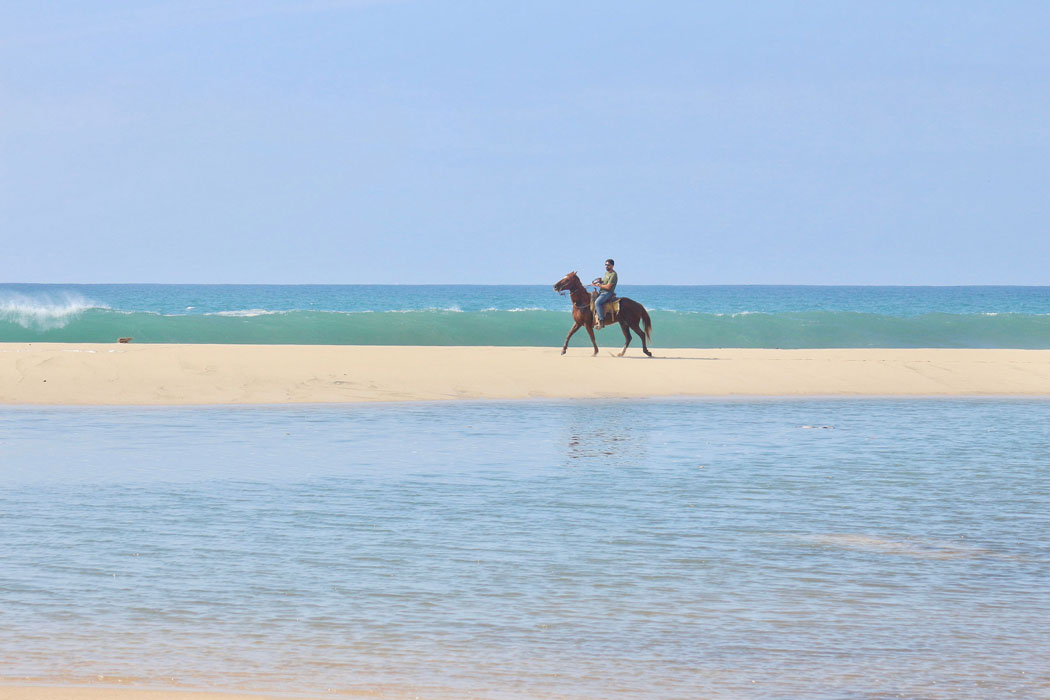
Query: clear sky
x: 490, y: 141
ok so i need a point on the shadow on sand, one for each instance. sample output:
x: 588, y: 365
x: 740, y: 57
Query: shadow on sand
x: 667, y: 357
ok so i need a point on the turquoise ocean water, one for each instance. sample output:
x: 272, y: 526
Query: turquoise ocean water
x: 683, y: 316
x: 623, y: 549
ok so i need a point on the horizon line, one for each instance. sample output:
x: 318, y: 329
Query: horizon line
x: 516, y: 284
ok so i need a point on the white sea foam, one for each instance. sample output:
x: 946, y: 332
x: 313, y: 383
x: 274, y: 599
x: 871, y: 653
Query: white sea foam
x: 681, y: 312
x: 44, y: 311
x: 451, y: 309
x: 250, y: 313
x: 245, y: 313
x: 517, y: 310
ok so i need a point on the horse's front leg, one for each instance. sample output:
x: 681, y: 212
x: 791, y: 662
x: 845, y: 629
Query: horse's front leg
x: 627, y: 335
x: 590, y: 332
x: 575, y: 327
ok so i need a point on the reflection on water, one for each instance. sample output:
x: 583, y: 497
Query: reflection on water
x: 631, y: 549
x: 606, y: 432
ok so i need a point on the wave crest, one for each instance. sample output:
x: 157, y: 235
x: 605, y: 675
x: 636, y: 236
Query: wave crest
x: 75, y: 319
x: 44, y: 311
x: 245, y: 313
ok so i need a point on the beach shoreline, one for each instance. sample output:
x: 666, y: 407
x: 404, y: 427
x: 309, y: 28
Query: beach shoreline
x: 147, y: 374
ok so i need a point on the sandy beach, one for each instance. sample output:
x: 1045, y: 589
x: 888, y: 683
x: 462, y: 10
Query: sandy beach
x: 127, y: 374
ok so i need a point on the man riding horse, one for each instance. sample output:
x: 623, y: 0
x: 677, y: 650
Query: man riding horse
x: 606, y: 291
x: 631, y: 317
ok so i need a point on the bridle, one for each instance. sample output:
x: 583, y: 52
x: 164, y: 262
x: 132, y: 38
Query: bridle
x: 572, y: 284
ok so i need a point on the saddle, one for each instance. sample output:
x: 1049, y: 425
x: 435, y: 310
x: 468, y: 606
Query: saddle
x: 612, y: 310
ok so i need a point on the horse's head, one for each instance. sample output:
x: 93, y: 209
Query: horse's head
x: 566, y: 282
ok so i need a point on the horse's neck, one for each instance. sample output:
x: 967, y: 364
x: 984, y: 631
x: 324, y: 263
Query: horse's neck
x: 580, y: 297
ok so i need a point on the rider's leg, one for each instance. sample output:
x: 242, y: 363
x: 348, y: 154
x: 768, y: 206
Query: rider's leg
x: 599, y: 303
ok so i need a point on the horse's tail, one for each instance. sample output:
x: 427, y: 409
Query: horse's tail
x: 646, y: 322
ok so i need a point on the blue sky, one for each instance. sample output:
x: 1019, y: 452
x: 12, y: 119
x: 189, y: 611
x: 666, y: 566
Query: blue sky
x: 327, y: 141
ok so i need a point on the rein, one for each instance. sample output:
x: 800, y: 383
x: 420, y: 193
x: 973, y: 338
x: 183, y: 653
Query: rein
x: 576, y: 289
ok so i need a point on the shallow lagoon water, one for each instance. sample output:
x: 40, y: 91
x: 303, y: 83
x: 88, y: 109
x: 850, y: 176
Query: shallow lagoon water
x: 634, y: 549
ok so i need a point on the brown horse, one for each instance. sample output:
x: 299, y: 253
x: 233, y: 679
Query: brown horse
x: 631, y: 313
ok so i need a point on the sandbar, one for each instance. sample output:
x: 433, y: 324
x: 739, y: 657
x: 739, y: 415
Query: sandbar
x: 148, y: 374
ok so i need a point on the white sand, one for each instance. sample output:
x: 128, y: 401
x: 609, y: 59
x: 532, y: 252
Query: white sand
x: 81, y: 373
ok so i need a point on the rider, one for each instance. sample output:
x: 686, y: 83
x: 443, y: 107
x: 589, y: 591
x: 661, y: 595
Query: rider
x: 606, y: 288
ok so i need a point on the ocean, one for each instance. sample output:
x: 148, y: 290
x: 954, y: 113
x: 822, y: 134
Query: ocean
x: 529, y: 315
x: 560, y: 550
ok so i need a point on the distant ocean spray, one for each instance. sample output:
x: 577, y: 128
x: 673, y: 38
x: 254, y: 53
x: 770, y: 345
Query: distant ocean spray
x: 686, y: 316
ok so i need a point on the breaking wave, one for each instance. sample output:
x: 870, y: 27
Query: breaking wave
x: 41, y: 313
x: 76, y: 319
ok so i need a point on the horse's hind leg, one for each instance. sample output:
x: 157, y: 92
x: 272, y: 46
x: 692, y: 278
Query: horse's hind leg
x: 575, y: 327
x: 638, y: 330
x: 627, y: 335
